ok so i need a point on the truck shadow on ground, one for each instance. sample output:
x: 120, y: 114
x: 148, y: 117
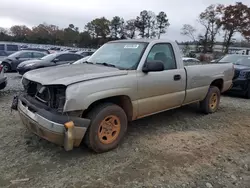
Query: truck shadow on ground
x: 172, y: 120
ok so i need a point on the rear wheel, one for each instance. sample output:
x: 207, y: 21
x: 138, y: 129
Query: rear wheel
x: 108, y: 127
x: 6, y: 67
x: 212, y: 100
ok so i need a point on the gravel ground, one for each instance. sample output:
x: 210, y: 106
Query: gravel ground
x: 178, y: 148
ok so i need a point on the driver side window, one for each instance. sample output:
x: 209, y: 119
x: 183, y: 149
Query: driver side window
x: 164, y: 53
x: 63, y: 57
x: 25, y: 55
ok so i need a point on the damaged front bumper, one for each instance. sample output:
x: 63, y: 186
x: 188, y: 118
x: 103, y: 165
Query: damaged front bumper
x: 48, y: 124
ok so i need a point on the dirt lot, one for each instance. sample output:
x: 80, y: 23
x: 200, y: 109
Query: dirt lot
x: 179, y: 148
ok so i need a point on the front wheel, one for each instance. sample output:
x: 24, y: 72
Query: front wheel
x: 108, y: 127
x: 6, y: 67
x: 212, y: 100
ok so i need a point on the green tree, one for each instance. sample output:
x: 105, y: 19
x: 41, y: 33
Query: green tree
x: 188, y: 30
x: 234, y: 18
x: 4, y: 34
x: 99, y: 27
x: 130, y: 28
x: 151, y: 25
x: 71, y: 35
x: 209, y: 19
x: 117, y: 27
x: 20, y: 32
x: 162, y: 23
x: 141, y: 23
x: 85, y: 39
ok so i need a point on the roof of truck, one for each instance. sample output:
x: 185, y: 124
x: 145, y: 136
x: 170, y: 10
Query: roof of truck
x: 143, y: 40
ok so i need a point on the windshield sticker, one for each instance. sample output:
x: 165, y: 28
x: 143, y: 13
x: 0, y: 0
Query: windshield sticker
x: 131, y: 46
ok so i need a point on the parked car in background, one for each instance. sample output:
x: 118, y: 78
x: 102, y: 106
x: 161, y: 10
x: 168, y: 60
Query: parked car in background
x: 50, y: 60
x: 3, y: 55
x: 11, y: 62
x: 124, y: 80
x: 190, y: 59
x: 241, y: 79
x: 3, y: 78
x: 80, y: 61
x: 85, y: 53
x: 73, y: 51
x: 37, y: 49
x: 9, y: 48
x: 214, y: 60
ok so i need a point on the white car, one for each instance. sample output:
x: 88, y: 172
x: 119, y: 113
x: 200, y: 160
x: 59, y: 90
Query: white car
x: 190, y: 59
x: 3, y: 78
x: 80, y: 61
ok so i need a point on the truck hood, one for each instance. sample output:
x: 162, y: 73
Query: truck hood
x: 70, y: 74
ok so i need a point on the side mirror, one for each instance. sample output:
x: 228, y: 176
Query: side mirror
x: 17, y: 58
x: 153, y: 66
x: 55, y: 60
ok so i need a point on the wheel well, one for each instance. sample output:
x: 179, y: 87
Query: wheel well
x: 218, y: 83
x: 123, y: 101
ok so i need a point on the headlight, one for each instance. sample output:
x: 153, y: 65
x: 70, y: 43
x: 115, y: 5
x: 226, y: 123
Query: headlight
x: 31, y: 64
x: 243, y: 74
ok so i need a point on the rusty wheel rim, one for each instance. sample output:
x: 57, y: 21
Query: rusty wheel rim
x: 213, y: 101
x: 109, y: 129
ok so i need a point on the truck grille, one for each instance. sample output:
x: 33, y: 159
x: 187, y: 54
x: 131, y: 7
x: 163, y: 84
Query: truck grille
x: 52, y: 95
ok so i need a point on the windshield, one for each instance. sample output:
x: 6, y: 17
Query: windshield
x: 16, y: 54
x: 236, y: 59
x: 80, y: 61
x: 49, y: 57
x: 123, y: 55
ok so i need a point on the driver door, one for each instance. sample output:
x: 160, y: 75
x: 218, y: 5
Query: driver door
x: 22, y: 57
x: 61, y: 59
x: 159, y: 91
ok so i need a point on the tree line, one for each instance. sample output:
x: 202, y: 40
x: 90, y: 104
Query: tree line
x: 218, y: 19
x: 95, y: 33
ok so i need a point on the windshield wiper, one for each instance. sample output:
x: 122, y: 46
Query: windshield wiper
x: 88, y: 62
x: 106, y: 64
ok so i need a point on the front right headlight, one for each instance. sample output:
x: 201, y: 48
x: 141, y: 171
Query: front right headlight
x: 31, y: 64
x: 243, y: 74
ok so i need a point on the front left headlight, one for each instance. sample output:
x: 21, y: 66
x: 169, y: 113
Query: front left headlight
x: 243, y: 74
x: 31, y: 64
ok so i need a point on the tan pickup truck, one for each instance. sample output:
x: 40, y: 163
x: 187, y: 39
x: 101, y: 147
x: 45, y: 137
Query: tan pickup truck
x: 122, y: 81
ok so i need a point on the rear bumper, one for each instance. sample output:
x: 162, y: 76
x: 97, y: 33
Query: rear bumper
x: 48, y: 124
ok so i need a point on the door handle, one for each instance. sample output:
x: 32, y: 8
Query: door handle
x: 177, y: 77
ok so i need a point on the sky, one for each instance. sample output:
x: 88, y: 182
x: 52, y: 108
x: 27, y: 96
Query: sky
x: 79, y: 12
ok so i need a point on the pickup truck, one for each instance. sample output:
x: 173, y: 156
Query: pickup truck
x: 122, y: 81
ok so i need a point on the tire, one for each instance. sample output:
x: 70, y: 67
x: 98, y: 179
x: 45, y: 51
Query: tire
x: 6, y: 67
x: 248, y: 91
x: 95, y: 137
x: 212, y: 100
x: 3, y: 85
